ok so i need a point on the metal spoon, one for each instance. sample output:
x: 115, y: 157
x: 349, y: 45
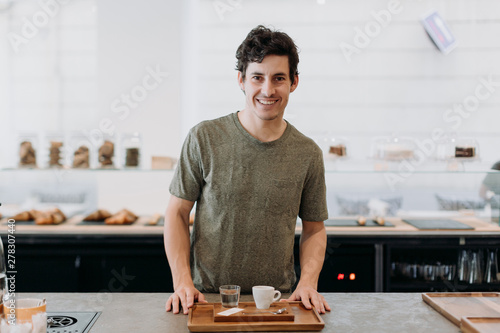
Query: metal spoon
x: 280, y: 311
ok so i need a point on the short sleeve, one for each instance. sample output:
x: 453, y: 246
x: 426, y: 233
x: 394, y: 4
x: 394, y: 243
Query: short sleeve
x: 188, y: 176
x: 313, y: 206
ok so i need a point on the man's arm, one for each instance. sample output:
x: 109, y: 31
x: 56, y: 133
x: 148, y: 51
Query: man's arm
x: 176, y: 239
x: 312, y: 255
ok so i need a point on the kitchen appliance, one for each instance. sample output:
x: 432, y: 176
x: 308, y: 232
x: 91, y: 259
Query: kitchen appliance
x: 71, y: 322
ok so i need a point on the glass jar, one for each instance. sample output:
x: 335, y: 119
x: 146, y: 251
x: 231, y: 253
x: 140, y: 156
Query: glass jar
x: 131, y: 150
x: 80, y: 152
x: 27, y: 150
x: 106, y: 152
x: 53, y: 150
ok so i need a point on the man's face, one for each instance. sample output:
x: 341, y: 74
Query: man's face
x: 267, y: 86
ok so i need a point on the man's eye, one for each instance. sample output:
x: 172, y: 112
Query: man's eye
x: 256, y: 78
x: 280, y: 78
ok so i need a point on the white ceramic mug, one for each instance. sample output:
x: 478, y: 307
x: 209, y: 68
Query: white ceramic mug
x: 264, y: 296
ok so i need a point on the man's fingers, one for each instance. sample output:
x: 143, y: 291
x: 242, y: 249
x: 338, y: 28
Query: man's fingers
x: 174, y: 299
x: 168, y: 305
x: 201, y: 298
x: 186, y: 301
x: 306, y: 302
x: 318, y: 304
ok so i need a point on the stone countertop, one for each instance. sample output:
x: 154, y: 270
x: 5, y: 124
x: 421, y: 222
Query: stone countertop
x: 351, y: 312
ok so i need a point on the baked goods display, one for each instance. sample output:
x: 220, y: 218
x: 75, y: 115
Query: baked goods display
x: 55, y: 153
x: 98, y: 215
x: 124, y: 216
x: 51, y: 216
x: 106, y: 153
x: 394, y: 152
x: 338, y: 150
x: 132, y: 157
x: 467, y: 152
x: 81, y: 158
x: 361, y: 220
x: 27, y: 154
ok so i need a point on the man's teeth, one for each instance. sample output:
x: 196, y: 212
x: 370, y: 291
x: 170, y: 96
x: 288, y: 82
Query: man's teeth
x: 267, y: 102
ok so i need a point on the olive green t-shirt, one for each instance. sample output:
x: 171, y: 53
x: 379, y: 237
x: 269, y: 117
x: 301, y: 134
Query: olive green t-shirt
x: 248, y: 195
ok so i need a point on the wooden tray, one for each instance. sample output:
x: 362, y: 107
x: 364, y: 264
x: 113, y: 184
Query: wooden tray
x: 201, y: 319
x: 480, y: 325
x: 454, y: 306
x: 248, y: 315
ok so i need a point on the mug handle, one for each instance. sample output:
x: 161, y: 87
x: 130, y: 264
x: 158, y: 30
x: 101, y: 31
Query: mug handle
x: 277, y: 295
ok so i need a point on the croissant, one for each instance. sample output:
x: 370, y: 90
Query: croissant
x: 23, y: 216
x: 53, y: 216
x: 122, y: 217
x: 98, y: 215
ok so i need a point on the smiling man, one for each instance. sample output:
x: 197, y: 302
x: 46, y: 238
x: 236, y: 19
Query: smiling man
x: 251, y: 174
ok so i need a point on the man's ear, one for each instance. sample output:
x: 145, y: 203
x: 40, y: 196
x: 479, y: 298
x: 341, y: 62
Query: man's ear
x: 294, y: 84
x: 241, y: 81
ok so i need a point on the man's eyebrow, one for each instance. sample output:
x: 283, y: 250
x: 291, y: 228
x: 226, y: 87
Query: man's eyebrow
x: 275, y: 74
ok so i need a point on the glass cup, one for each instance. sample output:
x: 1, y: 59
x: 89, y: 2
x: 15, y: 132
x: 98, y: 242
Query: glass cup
x: 475, y: 271
x: 491, y: 272
x: 30, y: 316
x: 229, y: 295
x: 463, y: 266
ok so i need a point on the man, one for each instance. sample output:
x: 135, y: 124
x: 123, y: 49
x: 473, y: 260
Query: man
x: 251, y: 174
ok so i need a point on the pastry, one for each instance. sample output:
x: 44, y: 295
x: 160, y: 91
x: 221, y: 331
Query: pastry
x: 155, y: 219
x: 81, y: 158
x: 27, y: 155
x: 338, y: 150
x: 26, y: 215
x: 361, y: 220
x: 132, y: 157
x: 53, y: 216
x: 106, y: 153
x: 55, y: 153
x: 23, y: 216
x: 380, y: 220
x: 98, y: 215
x: 124, y: 216
x: 465, y: 152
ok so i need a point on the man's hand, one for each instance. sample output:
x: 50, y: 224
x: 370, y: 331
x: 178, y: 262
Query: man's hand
x: 185, y: 296
x: 309, y: 297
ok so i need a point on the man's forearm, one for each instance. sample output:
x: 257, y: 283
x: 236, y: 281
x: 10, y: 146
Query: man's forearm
x: 312, y: 253
x: 177, y: 247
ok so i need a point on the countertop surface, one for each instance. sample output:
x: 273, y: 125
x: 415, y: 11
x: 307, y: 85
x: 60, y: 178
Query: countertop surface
x: 74, y: 226
x: 351, y: 312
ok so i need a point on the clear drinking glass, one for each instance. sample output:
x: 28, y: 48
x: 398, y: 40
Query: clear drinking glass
x: 475, y: 271
x: 463, y: 266
x: 230, y: 296
x: 491, y: 272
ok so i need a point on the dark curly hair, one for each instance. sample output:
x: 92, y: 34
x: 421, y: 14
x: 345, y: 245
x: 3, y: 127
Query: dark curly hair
x: 262, y: 41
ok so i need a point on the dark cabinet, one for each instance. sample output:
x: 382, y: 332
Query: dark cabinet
x: 137, y: 263
x: 442, y: 264
x: 91, y: 264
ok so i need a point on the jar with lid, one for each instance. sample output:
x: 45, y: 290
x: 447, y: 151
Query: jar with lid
x: 27, y: 150
x: 106, y: 152
x: 81, y: 152
x: 131, y: 150
x: 53, y: 150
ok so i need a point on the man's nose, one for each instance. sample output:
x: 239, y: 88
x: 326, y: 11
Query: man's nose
x: 267, y: 88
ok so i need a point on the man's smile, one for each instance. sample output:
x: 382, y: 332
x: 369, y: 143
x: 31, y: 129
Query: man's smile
x: 266, y: 101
